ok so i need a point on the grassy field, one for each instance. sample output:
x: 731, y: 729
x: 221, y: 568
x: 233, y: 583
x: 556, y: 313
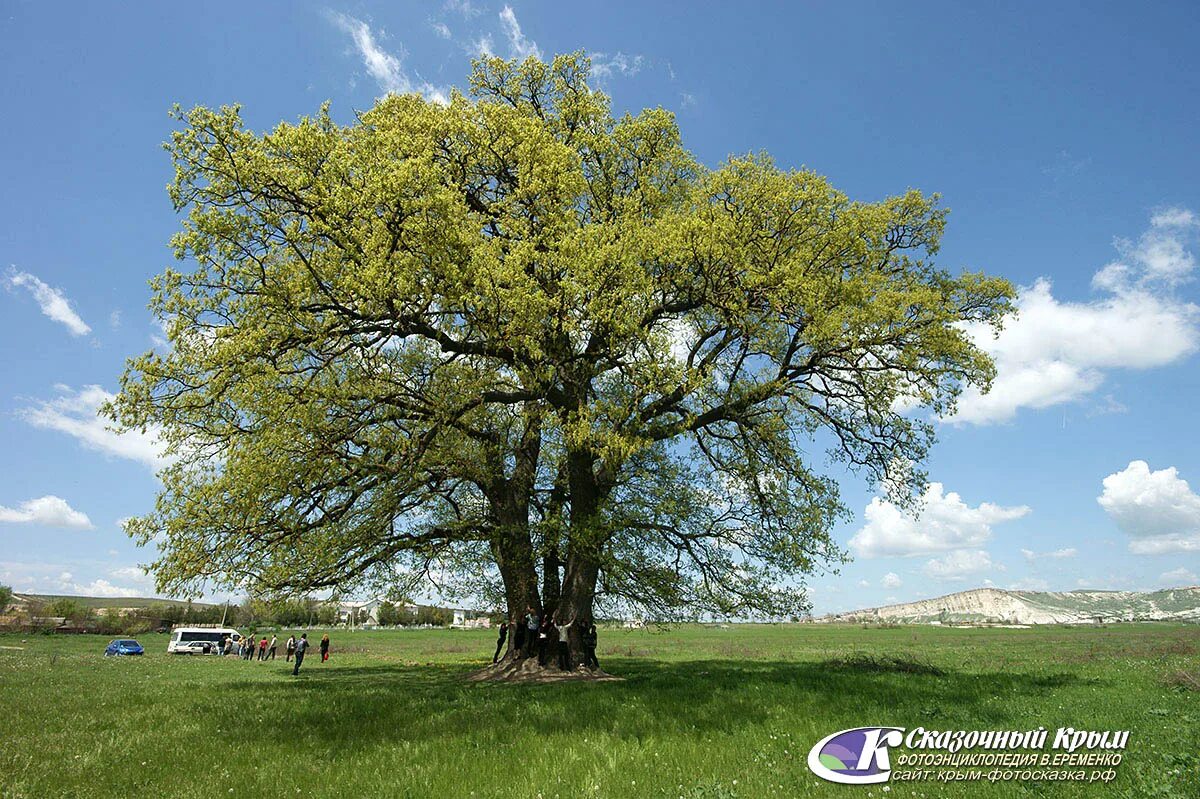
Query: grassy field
x: 702, y: 712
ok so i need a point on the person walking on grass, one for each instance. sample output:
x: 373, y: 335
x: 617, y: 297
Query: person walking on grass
x: 500, y: 640
x: 290, y: 647
x: 589, y: 646
x: 301, y: 648
x: 274, y: 645
x: 262, y: 648
x: 325, y: 647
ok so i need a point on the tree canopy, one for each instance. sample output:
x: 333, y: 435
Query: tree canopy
x: 519, y: 345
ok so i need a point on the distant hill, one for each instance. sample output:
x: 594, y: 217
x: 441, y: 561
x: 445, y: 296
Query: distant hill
x: 101, y: 602
x: 995, y: 606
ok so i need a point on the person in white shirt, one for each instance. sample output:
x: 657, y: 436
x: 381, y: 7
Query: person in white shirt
x: 564, y: 649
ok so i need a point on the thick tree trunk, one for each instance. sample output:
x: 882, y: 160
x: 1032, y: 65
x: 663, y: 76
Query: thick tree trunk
x: 583, y: 562
x: 551, y: 585
x: 512, y: 545
x: 569, y: 601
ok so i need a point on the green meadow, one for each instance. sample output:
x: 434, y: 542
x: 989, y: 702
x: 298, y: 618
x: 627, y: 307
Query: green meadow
x: 700, y: 712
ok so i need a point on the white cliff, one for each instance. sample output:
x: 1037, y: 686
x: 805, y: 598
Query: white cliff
x: 996, y: 606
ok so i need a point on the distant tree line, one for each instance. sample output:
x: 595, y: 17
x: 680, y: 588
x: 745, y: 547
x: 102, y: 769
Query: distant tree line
x: 252, y: 613
x: 391, y: 614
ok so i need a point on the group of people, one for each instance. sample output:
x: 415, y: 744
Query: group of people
x: 246, y: 649
x: 549, y: 639
x: 295, y: 647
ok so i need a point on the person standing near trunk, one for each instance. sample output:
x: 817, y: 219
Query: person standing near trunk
x: 500, y: 640
x: 325, y: 647
x: 518, y: 627
x: 532, y: 625
x: 290, y: 647
x: 301, y: 647
x: 564, y: 649
x: 547, y: 640
x: 589, y: 646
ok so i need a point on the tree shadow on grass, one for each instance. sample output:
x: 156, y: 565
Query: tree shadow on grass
x: 362, y: 706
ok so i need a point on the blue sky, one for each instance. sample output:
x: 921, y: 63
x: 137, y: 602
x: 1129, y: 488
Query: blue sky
x: 1061, y: 136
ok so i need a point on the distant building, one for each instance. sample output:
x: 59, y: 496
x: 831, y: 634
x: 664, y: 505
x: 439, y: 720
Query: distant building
x: 367, y: 612
x: 470, y: 619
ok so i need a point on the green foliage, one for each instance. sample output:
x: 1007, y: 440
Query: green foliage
x: 111, y: 621
x: 6, y: 594
x: 433, y: 616
x: 72, y: 610
x: 517, y: 334
x: 387, y: 614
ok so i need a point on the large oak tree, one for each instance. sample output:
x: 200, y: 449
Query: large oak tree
x: 526, y: 349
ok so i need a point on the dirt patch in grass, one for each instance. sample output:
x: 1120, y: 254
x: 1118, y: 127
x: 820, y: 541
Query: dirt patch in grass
x: 884, y: 664
x: 1187, y: 680
x: 528, y: 671
x: 1176, y: 647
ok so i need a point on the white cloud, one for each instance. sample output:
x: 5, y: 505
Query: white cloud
x: 441, y: 29
x: 1108, y: 404
x: 387, y: 69
x: 464, y: 7
x: 1174, y: 217
x: 1031, y: 556
x: 943, y: 522
x: 114, y: 319
x: 1055, y: 352
x: 133, y: 574
x: 52, y: 301
x: 102, y: 588
x: 959, y: 565
x: 1029, y: 584
x: 482, y: 46
x: 1178, y: 577
x: 1159, y: 254
x: 47, y: 511
x: 518, y: 45
x: 1157, y: 510
x: 891, y: 580
x: 864, y: 583
x: 608, y: 65
x: 51, y: 578
x: 77, y: 415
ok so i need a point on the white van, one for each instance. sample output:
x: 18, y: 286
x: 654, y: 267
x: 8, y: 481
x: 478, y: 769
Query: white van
x: 191, y: 640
